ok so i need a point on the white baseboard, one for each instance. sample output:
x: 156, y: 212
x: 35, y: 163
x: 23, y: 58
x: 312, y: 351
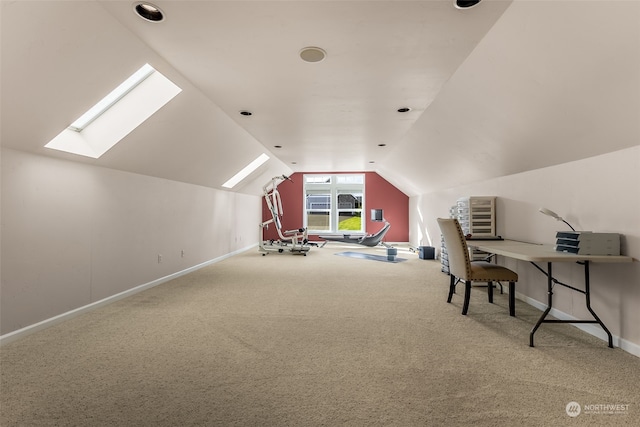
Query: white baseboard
x: 591, y: 329
x: 20, y: 333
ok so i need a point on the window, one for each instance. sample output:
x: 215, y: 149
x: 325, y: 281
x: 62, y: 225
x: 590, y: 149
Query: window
x: 334, y: 203
x: 117, y: 114
x: 109, y: 101
x: 246, y: 171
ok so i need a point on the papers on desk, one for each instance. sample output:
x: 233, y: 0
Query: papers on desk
x: 588, y: 243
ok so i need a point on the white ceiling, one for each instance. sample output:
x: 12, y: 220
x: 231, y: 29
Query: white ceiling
x: 498, y: 89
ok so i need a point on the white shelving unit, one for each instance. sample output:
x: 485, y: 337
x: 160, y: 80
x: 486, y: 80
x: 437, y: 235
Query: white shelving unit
x: 444, y: 257
x: 477, y: 216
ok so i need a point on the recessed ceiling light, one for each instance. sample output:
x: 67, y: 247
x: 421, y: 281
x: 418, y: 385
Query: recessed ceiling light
x: 294, y: 163
x: 404, y: 110
x: 312, y: 54
x: 246, y: 113
x: 149, y: 12
x: 382, y: 145
x: 277, y: 146
x: 466, y: 4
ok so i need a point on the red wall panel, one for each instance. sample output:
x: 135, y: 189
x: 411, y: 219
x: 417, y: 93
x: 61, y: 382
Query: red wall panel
x: 379, y: 194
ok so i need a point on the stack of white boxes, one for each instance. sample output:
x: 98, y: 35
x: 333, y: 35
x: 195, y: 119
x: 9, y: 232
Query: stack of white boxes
x: 444, y: 257
x: 588, y: 243
x: 477, y: 216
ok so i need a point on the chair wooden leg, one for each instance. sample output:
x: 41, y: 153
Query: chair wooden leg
x: 452, y: 287
x: 490, y: 291
x: 512, y: 299
x: 467, y: 296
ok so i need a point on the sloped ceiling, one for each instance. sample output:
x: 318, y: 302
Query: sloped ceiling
x: 498, y: 89
x: 552, y: 82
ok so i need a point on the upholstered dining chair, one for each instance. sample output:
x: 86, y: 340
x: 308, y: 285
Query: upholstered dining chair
x: 461, y: 268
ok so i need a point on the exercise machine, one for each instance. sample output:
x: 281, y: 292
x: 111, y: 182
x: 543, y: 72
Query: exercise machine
x: 369, y: 240
x: 291, y: 241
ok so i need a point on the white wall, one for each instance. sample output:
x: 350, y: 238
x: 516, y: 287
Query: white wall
x: 599, y: 194
x: 73, y: 234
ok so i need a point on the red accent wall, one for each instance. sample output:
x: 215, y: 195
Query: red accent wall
x: 379, y: 194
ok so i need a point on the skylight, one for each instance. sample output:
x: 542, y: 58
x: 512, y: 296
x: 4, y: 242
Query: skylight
x: 246, y: 171
x: 109, y: 100
x: 117, y: 114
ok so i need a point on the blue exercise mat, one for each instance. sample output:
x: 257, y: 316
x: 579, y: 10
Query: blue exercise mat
x: 360, y: 255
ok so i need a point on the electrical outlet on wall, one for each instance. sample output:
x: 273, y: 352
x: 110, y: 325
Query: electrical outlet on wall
x: 159, y: 259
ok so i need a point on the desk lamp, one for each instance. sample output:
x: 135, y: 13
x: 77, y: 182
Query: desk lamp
x: 552, y: 214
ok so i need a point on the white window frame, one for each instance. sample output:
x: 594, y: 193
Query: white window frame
x: 335, y: 187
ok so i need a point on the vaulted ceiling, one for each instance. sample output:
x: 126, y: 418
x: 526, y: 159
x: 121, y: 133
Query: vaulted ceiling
x: 500, y: 88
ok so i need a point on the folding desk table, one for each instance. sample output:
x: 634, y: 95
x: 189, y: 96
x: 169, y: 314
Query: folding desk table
x: 546, y: 253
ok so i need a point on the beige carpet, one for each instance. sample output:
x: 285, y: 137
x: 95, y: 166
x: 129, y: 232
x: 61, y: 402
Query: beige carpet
x: 317, y: 340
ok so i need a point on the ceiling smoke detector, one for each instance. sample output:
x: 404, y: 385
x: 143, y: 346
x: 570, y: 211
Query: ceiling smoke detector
x: 312, y: 54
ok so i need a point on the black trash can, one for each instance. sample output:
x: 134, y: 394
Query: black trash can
x: 427, y: 252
